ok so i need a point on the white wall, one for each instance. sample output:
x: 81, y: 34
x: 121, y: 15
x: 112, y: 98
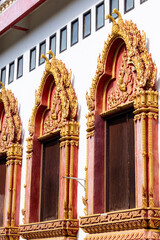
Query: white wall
x: 80, y: 58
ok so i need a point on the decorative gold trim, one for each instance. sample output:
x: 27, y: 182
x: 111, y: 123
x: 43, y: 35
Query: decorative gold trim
x: 66, y: 181
x: 90, y: 121
x: 137, y: 218
x: 12, y: 126
x: 137, y: 55
x: 9, y: 233
x: 64, y: 106
x: 60, y: 120
x: 150, y: 154
x: 85, y: 199
x: 144, y: 153
x: 71, y: 180
x: 10, y: 196
x: 54, y: 228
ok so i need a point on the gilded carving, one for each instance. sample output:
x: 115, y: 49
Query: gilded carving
x: 136, y: 59
x: 55, y: 228
x: 58, y: 118
x: 12, y: 128
x: 64, y: 104
x: 121, y: 220
x: 10, y: 143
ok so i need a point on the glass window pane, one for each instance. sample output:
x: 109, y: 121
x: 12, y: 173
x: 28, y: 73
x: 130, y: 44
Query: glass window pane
x: 74, y: 32
x: 114, y: 4
x: 52, y: 45
x: 20, y: 67
x: 11, y: 72
x: 3, y: 76
x: 87, y: 24
x: 33, y: 59
x: 129, y: 4
x: 63, y: 40
x: 100, y: 16
x: 42, y: 50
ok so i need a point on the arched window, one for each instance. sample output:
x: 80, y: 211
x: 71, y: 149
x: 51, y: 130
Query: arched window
x: 10, y: 164
x: 122, y: 168
x: 51, y: 193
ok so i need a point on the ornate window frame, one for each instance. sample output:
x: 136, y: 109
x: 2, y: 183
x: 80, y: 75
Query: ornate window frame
x: 144, y: 98
x: 11, y: 147
x: 62, y: 120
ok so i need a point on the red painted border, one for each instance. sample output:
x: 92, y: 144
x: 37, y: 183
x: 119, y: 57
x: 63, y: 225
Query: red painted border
x: 16, y: 12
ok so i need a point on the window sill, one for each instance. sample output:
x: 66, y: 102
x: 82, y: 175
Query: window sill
x: 137, y: 218
x: 53, y: 228
x: 9, y: 232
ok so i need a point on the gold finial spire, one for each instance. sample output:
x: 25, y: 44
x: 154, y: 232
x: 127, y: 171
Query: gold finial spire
x: 120, y: 19
x: 48, y: 65
x: 51, y: 53
x: 115, y: 27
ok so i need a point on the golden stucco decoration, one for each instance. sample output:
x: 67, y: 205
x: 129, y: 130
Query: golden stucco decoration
x: 64, y: 104
x: 12, y: 127
x: 137, y: 56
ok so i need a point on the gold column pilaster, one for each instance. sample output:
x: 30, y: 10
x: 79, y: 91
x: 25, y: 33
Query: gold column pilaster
x: 144, y: 187
x: 9, y: 163
x: 66, y: 181
x: 71, y: 180
x: 150, y: 154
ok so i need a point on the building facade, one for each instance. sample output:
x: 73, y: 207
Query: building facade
x: 79, y: 148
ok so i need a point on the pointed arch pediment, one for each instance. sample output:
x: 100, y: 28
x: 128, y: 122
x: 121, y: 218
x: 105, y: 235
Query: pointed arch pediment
x: 11, y: 126
x: 61, y: 103
x: 136, y: 70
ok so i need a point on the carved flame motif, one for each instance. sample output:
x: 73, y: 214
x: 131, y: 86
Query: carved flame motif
x: 64, y: 105
x: 11, y: 128
x: 138, y: 56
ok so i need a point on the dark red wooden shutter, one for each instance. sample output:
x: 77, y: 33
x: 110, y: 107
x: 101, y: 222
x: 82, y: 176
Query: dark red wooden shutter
x: 2, y: 188
x: 120, y: 164
x: 50, y: 180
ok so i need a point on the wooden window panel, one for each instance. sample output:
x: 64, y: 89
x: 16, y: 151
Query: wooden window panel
x: 120, y: 166
x: 2, y: 188
x: 50, y: 180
